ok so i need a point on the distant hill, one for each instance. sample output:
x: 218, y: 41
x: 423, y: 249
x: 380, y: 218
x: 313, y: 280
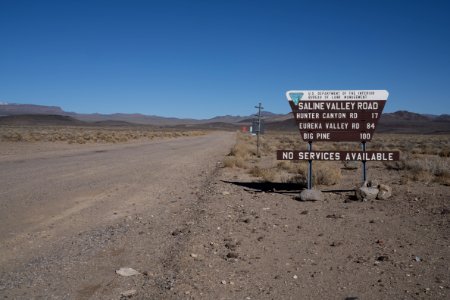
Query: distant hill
x: 131, y: 118
x: 57, y: 120
x: 406, y: 116
x: 38, y: 119
x: 112, y: 123
x: 408, y: 122
x: 29, y: 114
x: 442, y: 118
x: 29, y: 109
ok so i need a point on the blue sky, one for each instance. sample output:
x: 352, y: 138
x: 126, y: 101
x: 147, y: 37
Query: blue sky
x: 200, y: 59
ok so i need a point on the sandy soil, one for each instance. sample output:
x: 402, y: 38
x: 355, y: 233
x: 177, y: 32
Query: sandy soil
x: 69, y: 218
x: 257, y: 241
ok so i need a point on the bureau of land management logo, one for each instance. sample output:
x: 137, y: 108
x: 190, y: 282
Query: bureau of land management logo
x: 294, y: 96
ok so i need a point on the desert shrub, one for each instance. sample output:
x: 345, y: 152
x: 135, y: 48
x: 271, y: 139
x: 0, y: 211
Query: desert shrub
x: 12, y: 137
x: 265, y: 174
x: 299, y: 168
x: 326, y: 174
x: 423, y: 168
x: 297, y: 179
x: 323, y: 173
x: 377, y: 146
x: 299, y: 173
x: 283, y: 139
x: 399, y: 164
x: 240, y: 150
x: 243, y: 147
x: 395, y: 165
x: 233, y: 161
x: 266, y: 147
x: 294, y: 167
x: 444, y: 153
x: 284, y: 165
x: 444, y: 177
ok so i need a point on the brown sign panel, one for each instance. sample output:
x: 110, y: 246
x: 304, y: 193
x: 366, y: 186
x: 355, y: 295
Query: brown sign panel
x: 336, y: 136
x: 337, y: 115
x: 343, y: 106
x: 337, y: 120
x: 338, y: 155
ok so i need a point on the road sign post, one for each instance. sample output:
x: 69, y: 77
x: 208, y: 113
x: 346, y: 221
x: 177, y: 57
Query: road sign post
x: 310, y: 167
x: 363, y: 143
x: 258, y: 132
x: 337, y: 116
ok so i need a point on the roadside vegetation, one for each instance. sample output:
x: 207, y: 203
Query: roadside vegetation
x: 84, y: 135
x: 267, y: 169
x: 424, y: 158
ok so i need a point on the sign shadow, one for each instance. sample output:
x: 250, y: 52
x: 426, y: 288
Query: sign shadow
x: 270, y: 187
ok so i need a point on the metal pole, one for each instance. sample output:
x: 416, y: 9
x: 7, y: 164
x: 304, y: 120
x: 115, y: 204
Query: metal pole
x: 257, y: 142
x: 259, y: 107
x: 363, y: 144
x: 309, y: 167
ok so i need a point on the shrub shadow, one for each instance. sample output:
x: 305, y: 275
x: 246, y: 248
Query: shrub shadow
x: 270, y: 187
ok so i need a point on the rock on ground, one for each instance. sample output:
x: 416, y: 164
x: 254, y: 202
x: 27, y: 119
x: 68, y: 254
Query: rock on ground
x: 385, y: 192
x: 311, y: 195
x: 127, y: 272
x: 366, y: 192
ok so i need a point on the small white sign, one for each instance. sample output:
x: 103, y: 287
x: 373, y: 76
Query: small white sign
x: 336, y: 95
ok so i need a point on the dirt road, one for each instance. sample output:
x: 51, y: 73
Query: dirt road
x: 69, y: 218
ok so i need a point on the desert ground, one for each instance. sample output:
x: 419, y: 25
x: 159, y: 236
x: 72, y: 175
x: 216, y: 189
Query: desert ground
x: 197, y: 215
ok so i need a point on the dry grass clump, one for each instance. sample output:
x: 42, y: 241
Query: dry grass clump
x: 284, y: 165
x: 234, y: 162
x: 413, y: 144
x: 423, y: 157
x: 266, y: 168
x: 240, y: 153
x: 326, y: 173
x: 297, y: 171
x: 294, y: 167
x: 426, y: 168
x: 266, y: 174
x: 429, y: 169
x: 284, y: 141
x: 83, y: 135
x: 300, y: 179
x: 241, y: 150
x: 444, y: 153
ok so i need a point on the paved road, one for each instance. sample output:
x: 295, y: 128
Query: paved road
x: 57, y: 203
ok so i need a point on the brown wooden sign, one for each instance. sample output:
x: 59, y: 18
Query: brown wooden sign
x: 337, y: 115
x: 338, y: 155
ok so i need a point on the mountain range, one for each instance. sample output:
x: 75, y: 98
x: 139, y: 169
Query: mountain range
x: 29, y: 114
